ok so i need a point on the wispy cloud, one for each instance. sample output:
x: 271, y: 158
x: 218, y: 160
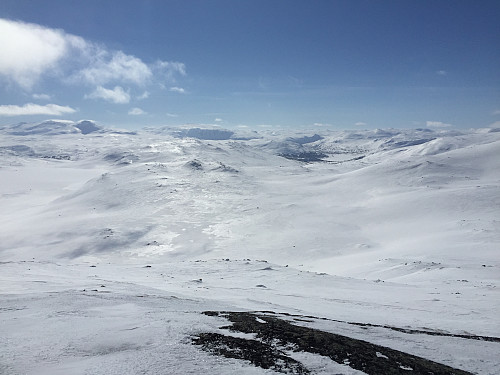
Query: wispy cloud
x: 143, y: 96
x: 437, y: 124
x: 180, y: 90
x: 496, y: 124
x: 31, y: 52
x: 35, y: 109
x: 172, y: 115
x: 169, y: 69
x: 218, y: 119
x: 41, y: 96
x: 117, y: 67
x: 294, y: 81
x: 262, y: 84
x: 360, y: 123
x: 118, y: 95
x: 496, y: 112
x: 136, y: 112
x: 442, y: 72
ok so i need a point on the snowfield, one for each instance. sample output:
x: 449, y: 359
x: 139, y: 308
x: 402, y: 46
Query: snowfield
x: 113, y: 244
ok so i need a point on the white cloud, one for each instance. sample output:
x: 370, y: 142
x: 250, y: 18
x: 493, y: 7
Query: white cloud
x: 180, y: 90
x: 496, y: 112
x: 360, y: 123
x: 118, y: 95
x: 437, y: 124
x: 116, y: 67
x: 29, y: 52
x: 442, y: 72
x: 136, y: 112
x: 172, y: 115
x: 41, y: 96
x: 143, y: 96
x: 35, y: 109
x: 218, y: 120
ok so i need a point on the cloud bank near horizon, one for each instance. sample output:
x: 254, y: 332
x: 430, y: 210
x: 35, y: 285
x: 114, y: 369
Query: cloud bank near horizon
x: 35, y: 109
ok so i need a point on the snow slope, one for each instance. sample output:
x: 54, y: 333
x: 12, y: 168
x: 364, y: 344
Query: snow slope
x: 392, y: 228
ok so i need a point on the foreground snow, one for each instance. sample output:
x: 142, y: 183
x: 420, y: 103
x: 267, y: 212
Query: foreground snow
x: 112, y: 244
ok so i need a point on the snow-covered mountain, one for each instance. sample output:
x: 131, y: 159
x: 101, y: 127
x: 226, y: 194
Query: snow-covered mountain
x: 107, y: 236
x: 52, y: 127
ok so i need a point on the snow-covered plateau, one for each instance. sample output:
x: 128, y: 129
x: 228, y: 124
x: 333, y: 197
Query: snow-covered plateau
x: 120, y: 251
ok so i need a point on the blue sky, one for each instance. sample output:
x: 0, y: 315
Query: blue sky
x: 341, y: 64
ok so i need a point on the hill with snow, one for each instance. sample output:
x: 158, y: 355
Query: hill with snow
x: 113, y: 243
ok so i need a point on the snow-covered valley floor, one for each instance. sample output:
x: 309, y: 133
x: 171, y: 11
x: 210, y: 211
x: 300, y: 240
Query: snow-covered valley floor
x: 112, y: 244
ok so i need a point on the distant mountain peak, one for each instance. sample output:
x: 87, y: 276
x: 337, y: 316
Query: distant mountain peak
x: 87, y: 126
x: 53, y: 127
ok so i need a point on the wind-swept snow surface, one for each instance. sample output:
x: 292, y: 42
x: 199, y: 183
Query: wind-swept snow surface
x: 112, y: 244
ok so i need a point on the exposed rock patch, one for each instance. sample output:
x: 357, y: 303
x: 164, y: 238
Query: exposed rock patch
x: 275, y: 337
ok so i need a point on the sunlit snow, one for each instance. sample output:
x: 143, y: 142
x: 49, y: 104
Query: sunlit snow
x: 112, y: 243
